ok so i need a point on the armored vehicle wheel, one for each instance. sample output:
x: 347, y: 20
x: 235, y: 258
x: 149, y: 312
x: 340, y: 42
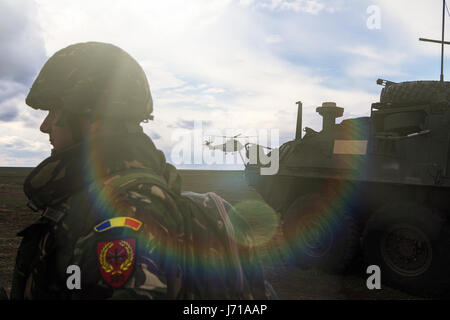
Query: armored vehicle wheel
x: 410, y: 245
x: 415, y: 92
x: 319, y: 235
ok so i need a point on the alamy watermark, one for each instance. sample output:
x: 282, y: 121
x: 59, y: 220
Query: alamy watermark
x: 374, y: 19
x: 74, y: 278
x: 256, y: 147
x: 374, y: 280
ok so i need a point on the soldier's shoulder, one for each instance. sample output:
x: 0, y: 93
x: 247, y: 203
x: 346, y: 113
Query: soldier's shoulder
x: 151, y: 208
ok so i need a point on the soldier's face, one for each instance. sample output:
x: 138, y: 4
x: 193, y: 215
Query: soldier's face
x: 60, y: 137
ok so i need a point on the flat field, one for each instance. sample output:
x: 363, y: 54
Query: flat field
x: 288, y: 281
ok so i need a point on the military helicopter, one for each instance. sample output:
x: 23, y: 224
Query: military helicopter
x: 230, y: 145
x: 234, y: 145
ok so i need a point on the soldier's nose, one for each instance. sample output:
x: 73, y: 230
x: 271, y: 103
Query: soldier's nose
x: 45, y: 126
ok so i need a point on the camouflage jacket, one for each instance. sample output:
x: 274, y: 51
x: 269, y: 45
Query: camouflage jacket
x: 124, y: 228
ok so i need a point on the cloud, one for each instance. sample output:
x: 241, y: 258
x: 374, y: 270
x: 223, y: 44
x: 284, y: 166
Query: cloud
x: 246, y: 3
x: 22, y: 52
x: 366, y: 51
x: 215, y: 90
x: 22, y: 143
x: 14, y: 109
x: 408, y: 13
x: 190, y: 124
x: 274, y: 38
x: 370, y: 60
x: 233, y: 64
x: 155, y: 136
x: 307, y: 6
x: 8, y: 111
x: 11, y: 95
x: 410, y: 20
x: 312, y: 7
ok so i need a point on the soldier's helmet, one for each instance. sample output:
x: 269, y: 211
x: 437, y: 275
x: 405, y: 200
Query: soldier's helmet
x: 95, y: 79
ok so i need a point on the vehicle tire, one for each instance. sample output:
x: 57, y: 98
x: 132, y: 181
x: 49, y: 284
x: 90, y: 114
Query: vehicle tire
x: 410, y: 244
x: 415, y: 92
x: 321, y: 235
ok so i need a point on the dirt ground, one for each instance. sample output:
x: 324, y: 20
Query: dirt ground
x: 288, y: 281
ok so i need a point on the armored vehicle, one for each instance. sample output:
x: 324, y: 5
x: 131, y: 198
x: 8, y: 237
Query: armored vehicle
x: 376, y: 185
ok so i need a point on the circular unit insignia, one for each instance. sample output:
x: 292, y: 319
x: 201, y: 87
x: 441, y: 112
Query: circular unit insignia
x: 116, y: 260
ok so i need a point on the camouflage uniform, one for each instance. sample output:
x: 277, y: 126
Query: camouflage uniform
x: 112, y: 206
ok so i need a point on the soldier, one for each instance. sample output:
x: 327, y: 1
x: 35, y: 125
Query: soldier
x: 114, y: 223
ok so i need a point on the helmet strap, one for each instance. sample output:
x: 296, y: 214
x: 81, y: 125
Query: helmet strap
x: 132, y: 127
x: 73, y: 123
x: 108, y: 126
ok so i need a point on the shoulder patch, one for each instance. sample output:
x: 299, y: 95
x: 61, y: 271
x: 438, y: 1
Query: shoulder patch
x: 116, y: 260
x: 126, y: 222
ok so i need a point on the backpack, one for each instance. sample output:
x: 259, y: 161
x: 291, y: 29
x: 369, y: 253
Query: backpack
x: 219, y: 261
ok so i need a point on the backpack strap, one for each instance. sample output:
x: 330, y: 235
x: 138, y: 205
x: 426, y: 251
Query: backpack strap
x: 54, y: 215
x: 132, y: 177
x: 231, y: 237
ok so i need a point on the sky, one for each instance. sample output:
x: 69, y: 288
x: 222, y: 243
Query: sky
x: 238, y: 66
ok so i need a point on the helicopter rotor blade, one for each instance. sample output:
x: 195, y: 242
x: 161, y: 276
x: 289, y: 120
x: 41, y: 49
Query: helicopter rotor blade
x: 238, y: 136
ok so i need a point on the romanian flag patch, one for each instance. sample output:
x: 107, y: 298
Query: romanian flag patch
x: 116, y: 260
x: 118, y: 222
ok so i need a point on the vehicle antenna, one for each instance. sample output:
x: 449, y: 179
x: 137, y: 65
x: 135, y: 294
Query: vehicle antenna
x: 442, y: 42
